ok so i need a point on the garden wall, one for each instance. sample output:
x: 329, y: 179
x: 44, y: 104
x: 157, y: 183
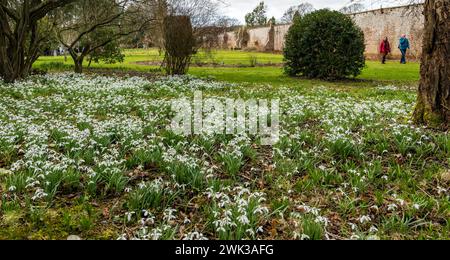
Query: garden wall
x: 376, y: 24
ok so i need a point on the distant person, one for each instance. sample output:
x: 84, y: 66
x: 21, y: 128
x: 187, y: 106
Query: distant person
x: 385, y: 49
x: 403, y: 46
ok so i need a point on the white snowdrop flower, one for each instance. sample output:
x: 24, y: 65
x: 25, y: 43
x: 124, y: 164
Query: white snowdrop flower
x: 374, y: 207
x: 304, y: 237
x: 243, y: 220
x: 194, y: 236
x: 323, y: 220
x: 392, y: 207
x: 355, y: 237
x: 441, y: 190
x: 39, y: 194
x: 416, y: 206
x: 250, y: 231
x: 169, y: 214
x: 373, y: 229
x: 122, y: 237
x: 129, y: 215
x: 12, y: 188
x: 402, y: 202
x: 186, y: 221
x: 259, y: 210
x: 385, y: 177
x: 364, y: 219
x: 155, y: 234
x: 260, y: 230
x: 221, y: 229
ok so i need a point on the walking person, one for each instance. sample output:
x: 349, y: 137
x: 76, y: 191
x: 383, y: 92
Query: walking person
x: 403, y: 46
x: 385, y: 49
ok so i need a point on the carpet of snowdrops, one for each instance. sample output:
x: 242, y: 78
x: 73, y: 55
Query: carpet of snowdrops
x: 92, y: 156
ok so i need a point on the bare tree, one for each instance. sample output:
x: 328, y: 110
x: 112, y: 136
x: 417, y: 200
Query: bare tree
x: 23, y: 32
x: 353, y: 8
x: 301, y: 10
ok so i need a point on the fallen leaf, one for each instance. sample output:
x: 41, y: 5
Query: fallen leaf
x: 106, y: 212
x: 445, y: 176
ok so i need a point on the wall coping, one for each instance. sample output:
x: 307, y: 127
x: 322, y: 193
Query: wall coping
x: 388, y: 9
x: 352, y: 14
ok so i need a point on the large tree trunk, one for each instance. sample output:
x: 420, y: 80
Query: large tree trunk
x: 20, y: 41
x: 79, y: 66
x: 433, y: 106
x: 77, y: 59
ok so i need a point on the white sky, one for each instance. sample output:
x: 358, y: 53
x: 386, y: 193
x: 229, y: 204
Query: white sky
x: 238, y: 8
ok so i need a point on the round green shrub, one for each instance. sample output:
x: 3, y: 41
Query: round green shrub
x: 324, y: 44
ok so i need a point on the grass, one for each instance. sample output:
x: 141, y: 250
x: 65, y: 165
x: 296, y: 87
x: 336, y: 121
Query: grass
x: 91, y: 155
x: 374, y: 71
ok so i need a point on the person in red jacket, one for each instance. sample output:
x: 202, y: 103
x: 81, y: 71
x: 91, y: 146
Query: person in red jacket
x: 385, y: 49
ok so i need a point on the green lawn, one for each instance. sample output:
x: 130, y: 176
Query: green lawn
x: 374, y: 71
x: 225, y: 57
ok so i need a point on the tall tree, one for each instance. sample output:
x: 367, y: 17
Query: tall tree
x: 202, y: 13
x: 23, y: 33
x: 433, y: 105
x: 258, y: 16
x: 176, y: 20
x: 301, y: 10
x: 87, y: 26
x: 179, y: 44
x: 353, y: 8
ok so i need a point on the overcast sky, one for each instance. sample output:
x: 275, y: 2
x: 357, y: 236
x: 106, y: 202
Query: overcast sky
x: 238, y: 8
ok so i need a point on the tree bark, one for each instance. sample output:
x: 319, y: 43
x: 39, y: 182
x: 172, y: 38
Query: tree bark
x: 20, y: 40
x: 433, y: 105
x: 78, y: 59
x: 79, y: 66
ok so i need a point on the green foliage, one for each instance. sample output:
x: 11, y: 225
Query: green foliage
x: 110, y: 53
x: 231, y: 164
x: 258, y: 16
x: 312, y: 229
x: 184, y: 174
x: 150, y: 196
x: 324, y: 44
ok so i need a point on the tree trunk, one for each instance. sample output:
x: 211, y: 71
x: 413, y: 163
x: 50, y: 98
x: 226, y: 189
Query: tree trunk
x: 20, y: 40
x: 79, y: 65
x: 433, y: 105
x: 77, y: 60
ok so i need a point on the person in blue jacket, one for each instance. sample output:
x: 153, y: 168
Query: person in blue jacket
x: 403, y: 46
